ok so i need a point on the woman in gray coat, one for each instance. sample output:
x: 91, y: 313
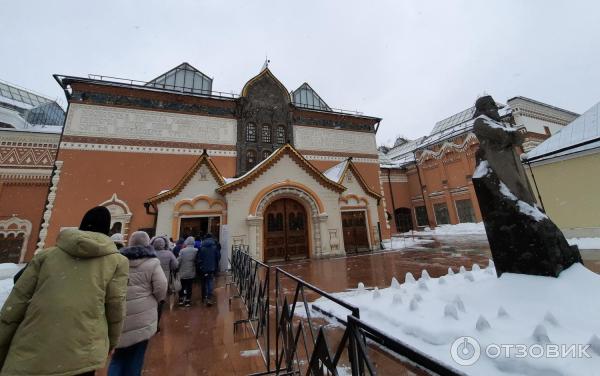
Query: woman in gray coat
x: 168, y: 263
x: 146, y: 287
x: 187, y: 271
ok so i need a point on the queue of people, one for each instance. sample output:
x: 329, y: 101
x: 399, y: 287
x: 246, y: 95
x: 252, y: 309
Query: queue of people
x: 91, y: 297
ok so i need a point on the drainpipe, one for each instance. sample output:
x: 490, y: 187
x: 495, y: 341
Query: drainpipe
x: 148, y: 205
x: 536, y: 187
x: 392, y: 196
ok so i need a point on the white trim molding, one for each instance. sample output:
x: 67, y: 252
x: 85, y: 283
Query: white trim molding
x: 49, y: 206
x: 144, y: 149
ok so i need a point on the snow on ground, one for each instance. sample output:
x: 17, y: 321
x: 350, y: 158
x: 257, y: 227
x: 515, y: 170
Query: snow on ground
x: 7, y: 272
x: 585, y: 243
x: 542, y: 313
x: 404, y: 242
x: 459, y: 229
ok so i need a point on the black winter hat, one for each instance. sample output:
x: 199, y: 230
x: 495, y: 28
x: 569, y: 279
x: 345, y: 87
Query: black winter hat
x: 97, y: 220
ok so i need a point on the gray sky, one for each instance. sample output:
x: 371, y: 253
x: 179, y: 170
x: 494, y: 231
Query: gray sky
x: 410, y: 62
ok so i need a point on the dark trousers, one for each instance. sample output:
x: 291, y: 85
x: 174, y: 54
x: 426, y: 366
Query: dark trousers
x: 128, y: 361
x: 161, y: 305
x: 207, y: 281
x: 186, y: 289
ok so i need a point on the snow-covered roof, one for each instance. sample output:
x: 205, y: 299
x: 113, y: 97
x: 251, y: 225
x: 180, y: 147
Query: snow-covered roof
x: 335, y: 173
x: 585, y: 128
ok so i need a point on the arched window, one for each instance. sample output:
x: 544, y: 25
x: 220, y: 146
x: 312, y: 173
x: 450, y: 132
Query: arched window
x: 280, y: 136
x: 265, y: 154
x: 250, y: 159
x: 251, y: 132
x: 266, y: 133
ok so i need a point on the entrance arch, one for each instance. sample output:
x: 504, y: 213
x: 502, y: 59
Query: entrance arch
x: 316, y: 217
x: 285, y: 227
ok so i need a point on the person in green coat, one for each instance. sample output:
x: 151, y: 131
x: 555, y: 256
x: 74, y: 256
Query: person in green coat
x: 65, y: 314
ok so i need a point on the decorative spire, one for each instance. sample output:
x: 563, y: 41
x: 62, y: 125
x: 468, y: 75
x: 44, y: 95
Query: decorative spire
x: 266, y: 64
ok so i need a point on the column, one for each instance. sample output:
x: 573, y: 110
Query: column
x: 254, y: 223
x: 325, y: 247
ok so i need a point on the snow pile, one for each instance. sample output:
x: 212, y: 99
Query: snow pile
x: 404, y: 242
x: 7, y: 272
x: 432, y: 313
x: 459, y: 229
x: 585, y: 243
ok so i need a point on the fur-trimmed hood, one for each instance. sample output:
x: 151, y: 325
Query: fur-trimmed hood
x: 136, y: 252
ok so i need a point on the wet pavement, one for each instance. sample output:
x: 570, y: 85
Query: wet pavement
x: 200, y: 340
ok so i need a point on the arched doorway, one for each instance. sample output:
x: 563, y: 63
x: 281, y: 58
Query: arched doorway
x: 403, y: 220
x: 285, y: 230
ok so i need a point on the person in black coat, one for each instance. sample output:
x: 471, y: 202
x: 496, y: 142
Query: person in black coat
x: 207, y: 264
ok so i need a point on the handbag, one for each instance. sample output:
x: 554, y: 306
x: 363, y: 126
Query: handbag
x: 175, y: 282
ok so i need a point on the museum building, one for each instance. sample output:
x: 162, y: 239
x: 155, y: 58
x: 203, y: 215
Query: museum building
x: 279, y: 171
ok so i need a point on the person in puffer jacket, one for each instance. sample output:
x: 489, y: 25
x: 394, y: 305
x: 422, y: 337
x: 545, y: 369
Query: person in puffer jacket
x: 168, y: 263
x: 146, y: 287
x: 187, y: 271
x: 207, y: 264
x: 65, y: 314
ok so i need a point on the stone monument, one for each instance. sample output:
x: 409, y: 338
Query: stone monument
x: 522, y: 238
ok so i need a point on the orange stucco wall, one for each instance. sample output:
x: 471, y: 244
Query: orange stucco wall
x: 89, y: 178
x: 25, y: 201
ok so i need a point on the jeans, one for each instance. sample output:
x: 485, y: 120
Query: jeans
x: 186, y: 290
x: 128, y: 361
x: 207, y: 282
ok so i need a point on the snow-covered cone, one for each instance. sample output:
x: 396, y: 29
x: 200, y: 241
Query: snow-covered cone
x: 442, y: 280
x: 424, y: 275
x: 361, y: 286
x: 462, y: 270
x: 423, y: 285
x: 550, y: 319
x: 450, y: 271
x: 475, y: 268
x: 451, y: 311
x: 491, y: 264
x: 502, y: 312
x: 395, y: 284
x: 482, y: 324
x: 594, y: 343
x: 418, y: 297
x: 414, y: 304
x: 459, y: 304
x: 397, y: 299
x: 469, y: 276
x: 409, y: 278
x: 376, y: 293
x: 490, y: 271
x: 540, y: 334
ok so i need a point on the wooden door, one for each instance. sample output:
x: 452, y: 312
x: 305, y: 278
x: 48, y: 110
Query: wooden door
x: 286, y: 231
x: 354, y: 226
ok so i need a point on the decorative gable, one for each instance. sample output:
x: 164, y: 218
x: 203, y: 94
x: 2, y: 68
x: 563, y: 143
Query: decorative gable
x: 203, y: 170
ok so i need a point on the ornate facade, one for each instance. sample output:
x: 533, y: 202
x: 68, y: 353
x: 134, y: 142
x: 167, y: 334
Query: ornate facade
x: 183, y: 160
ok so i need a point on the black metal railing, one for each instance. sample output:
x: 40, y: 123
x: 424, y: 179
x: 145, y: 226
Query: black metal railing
x: 304, y: 343
x: 251, y: 278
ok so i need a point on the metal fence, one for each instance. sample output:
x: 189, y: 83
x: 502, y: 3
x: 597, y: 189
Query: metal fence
x: 305, y: 344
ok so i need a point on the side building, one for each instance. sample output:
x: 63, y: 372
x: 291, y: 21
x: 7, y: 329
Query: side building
x: 30, y: 128
x: 427, y: 181
x: 279, y: 171
x: 565, y: 172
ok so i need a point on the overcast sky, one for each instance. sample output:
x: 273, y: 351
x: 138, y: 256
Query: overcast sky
x: 411, y: 63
